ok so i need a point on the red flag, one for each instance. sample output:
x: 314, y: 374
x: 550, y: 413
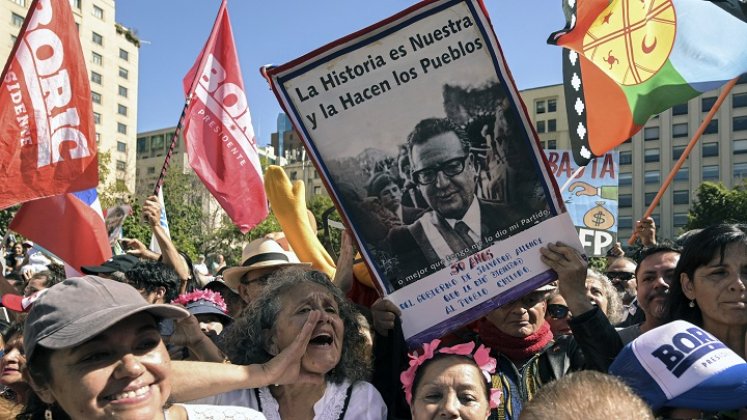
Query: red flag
x: 47, y: 141
x: 218, y: 129
x: 69, y: 225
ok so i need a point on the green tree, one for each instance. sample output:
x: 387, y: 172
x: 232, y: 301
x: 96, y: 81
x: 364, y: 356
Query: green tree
x: 332, y: 237
x: 717, y: 204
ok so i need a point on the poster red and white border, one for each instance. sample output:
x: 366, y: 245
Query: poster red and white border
x: 356, y: 102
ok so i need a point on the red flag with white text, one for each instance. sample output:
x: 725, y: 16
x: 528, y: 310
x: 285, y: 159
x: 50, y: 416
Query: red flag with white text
x: 47, y: 137
x: 218, y: 129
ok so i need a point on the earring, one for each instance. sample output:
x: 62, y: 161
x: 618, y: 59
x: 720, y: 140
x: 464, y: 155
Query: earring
x: 48, y: 414
x: 692, y: 303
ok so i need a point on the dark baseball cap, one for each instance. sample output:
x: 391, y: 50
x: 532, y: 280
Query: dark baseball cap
x: 76, y: 310
x: 123, y: 263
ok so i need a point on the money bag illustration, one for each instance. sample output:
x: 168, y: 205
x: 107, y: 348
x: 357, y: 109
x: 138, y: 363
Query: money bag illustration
x: 599, y: 217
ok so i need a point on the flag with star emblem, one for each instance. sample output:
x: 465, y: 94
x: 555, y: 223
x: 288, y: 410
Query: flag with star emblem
x: 626, y: 60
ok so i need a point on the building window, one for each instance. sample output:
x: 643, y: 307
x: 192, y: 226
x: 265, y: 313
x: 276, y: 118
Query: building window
x: 96, y: 97
x: 682, y: 175
x: 123, y: 73
x: 679, y: 130
x: 625, y: 178
x: 677, y: 152
x: 626, y: 158
x: 648, y: 198
x: 651, y: 133
x: 707, y: 103
x: 679, y: 219
x: 16, y: 20
x: 121, y: 110
x: 539, y: 107
x: 157, y: 142
x: 151, y: 170
x: 122, y: 91
x: 710, y: 173
x: 98, y: 12
x: 317, y: 190
x: 294, y: 175
x: 124, y: 55
x: 740, y: 147
x: 625, y: 200
x: 552, y: 144
x: 97, y: 39
x: 122, y: 147
x: 681, y: 197
x: 540, y: 126
x: 97, y: 118
x: 624, y: 222
x: 739, y: 123
x: 652, y: 177
x: 680, y: 109
x: 552, y: 105
x: 739, y: 170
x: 739, y: 100
x: 142, y: 144
x: 551, y: 126
x: 121, y: 128
x: 95, y: 78
x: 75, y: 4
x: 20, y: 2
x: 651, y: 155
x: 742, y: 79
x: 712, y: 127
x: 710, y: 149
x: 97, y: 59
x: 121, y: 165
x: 98, y: 138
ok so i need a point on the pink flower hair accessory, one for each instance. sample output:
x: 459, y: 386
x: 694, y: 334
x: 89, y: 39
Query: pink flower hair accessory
x: 204, y: 302
x: 481, y: 356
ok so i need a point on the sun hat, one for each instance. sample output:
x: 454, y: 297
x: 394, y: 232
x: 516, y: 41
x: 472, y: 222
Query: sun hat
x: 682, y: 365
x: 260, y: 253
x: 79, y: 308
x: 122, y: 263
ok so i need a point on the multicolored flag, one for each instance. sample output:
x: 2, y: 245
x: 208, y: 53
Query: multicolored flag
x: 632, y: 59
x: 71, y: 226
x: 47, y: 137
x: 218, y: 129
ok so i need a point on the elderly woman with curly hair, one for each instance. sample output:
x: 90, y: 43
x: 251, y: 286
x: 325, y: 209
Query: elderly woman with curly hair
x: 333, y: 371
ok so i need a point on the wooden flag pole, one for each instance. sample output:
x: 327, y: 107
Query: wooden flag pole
x: 174, y: 139
x: 681, y: 161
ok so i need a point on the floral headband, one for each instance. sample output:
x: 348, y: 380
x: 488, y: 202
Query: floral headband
x: 481, y: 357
x: 208, y: 295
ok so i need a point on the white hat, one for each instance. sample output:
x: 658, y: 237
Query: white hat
x: 260, y: 253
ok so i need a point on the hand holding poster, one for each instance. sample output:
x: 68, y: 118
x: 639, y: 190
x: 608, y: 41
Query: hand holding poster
x: 421, y: 136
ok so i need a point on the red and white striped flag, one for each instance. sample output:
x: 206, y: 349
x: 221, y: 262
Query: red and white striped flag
x: 47, y: 140
x: 218, y: 129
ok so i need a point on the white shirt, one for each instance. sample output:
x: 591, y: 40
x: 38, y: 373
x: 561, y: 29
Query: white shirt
x: 430, y: 220
x: 214, y: 412
x: 365, y: 402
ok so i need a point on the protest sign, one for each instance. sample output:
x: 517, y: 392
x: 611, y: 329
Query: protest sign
x: 419, y: 132
x: 590, y: 197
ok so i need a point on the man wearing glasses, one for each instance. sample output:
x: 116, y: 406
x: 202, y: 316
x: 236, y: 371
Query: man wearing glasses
x: 458, y: 224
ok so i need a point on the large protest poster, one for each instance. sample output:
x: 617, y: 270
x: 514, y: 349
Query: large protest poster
x: 590, y: 195
x: 419, y: 132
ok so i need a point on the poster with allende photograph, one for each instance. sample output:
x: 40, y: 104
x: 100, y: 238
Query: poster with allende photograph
x: 418, y: 130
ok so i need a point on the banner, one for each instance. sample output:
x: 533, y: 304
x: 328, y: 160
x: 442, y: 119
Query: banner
x: 47, y: 140
x: 590, y: 197
x: 218, y: 129
x: 421, y: 108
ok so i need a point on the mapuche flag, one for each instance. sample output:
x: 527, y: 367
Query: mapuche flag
x: 631, y: 59
x: 218, y: 129
x: 47, y: 140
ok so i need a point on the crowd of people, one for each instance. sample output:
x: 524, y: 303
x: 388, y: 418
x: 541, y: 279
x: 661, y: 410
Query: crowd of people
x: 659, y: 332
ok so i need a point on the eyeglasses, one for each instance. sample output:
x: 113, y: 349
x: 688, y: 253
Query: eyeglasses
x: 557, y: 311
x: 262, y: 280
x: 619, y: 275
x: 451, y: 167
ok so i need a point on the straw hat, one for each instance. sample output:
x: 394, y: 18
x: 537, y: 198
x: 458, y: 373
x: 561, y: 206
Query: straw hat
x: 260, y: 253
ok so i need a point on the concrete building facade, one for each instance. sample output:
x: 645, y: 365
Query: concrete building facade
x: 647, y: 158
x: 111, y: 52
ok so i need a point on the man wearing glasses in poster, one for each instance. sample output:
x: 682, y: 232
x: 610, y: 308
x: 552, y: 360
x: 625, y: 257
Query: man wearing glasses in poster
x: 458, y: 224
